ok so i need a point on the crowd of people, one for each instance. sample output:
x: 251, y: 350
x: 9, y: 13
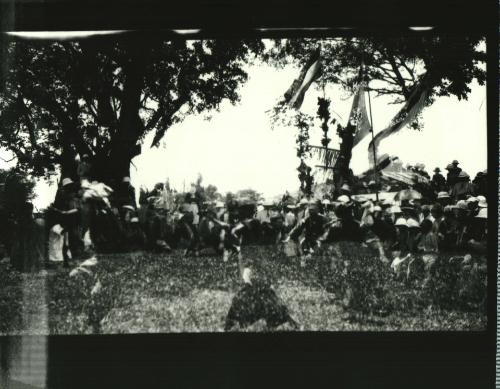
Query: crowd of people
x: 406, y: 231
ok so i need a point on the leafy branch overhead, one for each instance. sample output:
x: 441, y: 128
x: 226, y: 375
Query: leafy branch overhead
x: 103, y: 96
x: 393, y: 65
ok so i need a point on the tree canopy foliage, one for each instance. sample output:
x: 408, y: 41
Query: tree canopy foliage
x: 102, y: 96
x: 394, y: 64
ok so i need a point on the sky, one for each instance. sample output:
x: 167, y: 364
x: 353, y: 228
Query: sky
x: 237, y: 149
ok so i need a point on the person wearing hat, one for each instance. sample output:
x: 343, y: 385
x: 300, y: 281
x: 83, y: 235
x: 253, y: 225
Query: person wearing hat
x: 400, y: 247
x: 480, y: 183
x: 84, y: 167
x: 66, y: 208
x: 345, y: 189
x: 303, y: 211
x: 477, y: 232
x: 453, y: 172
x: 443, y: 198
x: 125, y: 195
x: 438, y: 181
x: 290, y: 218
x: 462, y: 187
x: 481, y: 202
x: 312, y: 228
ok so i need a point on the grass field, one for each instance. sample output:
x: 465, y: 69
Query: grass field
x: 151, y: 293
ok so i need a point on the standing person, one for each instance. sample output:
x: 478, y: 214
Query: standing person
x: 453, y: 172
x: 480, y: 184
x: 369, y: 229
x: 427, y: 245
x: 125, y: 197
x: 312, y: 228
x: 84, y: 168
x: 28, y: 249
x: 438, y: 181
x: 462, y: 187
x: 461, y: 212
x: 290, y: 218
x: 303, y: 210
x: 66, y: 205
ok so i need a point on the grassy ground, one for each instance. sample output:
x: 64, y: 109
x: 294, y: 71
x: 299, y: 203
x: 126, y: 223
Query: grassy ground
x: 151, y: 293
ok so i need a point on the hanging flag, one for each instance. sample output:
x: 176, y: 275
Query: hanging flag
x: 294, y: 96
x: 359, y: 116
x: 406, y: 115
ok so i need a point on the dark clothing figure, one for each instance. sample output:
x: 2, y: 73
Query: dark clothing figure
x: 254, y: 302
x: 83, y: 170
x: 312, y: 227
x: 480, y: 184
x: 28, y: 251
x: 125, y: 195
x: 452, y: 176
x: 438, y: 182
x: 461, y: 189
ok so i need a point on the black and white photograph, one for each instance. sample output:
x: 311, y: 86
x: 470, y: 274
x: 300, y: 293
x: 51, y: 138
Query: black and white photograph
x: 170, y: 182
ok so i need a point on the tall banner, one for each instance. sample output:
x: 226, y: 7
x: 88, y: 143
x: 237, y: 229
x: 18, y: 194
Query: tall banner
x: 406, y: 115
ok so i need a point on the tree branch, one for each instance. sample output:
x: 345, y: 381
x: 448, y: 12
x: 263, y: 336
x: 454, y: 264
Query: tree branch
x: 167, y: 116
x: 399, y: 77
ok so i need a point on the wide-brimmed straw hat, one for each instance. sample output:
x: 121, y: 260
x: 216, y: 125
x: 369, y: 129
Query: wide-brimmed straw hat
x: 482, y: 214
x: 482, y: 202
x: 461, y: 204
x: 395, y: 209
x: 346, y: 188
x: 463, y: 174
x: 401, y: 223
x: 443, y: 195
x: 343, y: 199
x: 412, y: 223
x: 66, y: 182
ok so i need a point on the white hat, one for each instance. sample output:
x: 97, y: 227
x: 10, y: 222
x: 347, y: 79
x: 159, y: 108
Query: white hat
x: 247, y: 274
x: 483, y: 213
x: 395, y: 209
x: 57, y: 229
x: 482, y: 202
x: 443, y: 195
x: 412, y: 223
x: 129, y: 207
x: 367, y: 204
x: 126, y: 179
x: 387, y: 202
x: 377, y: 208
x: 325, y: 201
x: 219, y: 204
x: 134, y: 220
x: 303, y: 201
x: 343, y: 199
x: 66, y: 181
x: 401, y: 223
x: 346, y: 187
x: 84, y: 183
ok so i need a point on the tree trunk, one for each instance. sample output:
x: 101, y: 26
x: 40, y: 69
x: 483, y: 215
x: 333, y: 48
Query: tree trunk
x: 124, y: 145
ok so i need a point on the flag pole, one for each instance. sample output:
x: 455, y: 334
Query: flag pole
x: 374, y: 148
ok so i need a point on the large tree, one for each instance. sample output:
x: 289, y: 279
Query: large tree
x: 102, y: 96
x: 394, y: 67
